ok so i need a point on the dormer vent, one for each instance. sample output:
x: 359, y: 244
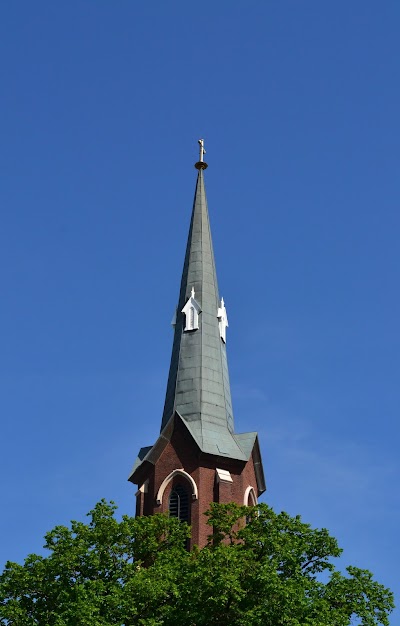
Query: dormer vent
x: 191, y: 311
x: 222, y: 320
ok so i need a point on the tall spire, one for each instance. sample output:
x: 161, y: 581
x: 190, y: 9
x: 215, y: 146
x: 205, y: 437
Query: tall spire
x: 198, y: 386
x: 197, y: 442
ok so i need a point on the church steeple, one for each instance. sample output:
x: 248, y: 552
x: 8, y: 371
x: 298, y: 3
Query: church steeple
x: 197, y: 449
x: 198, y: 385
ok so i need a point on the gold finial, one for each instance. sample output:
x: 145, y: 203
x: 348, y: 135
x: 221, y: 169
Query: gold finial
x: 201, y: 164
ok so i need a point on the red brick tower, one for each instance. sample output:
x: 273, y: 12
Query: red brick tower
x: 198, y: 458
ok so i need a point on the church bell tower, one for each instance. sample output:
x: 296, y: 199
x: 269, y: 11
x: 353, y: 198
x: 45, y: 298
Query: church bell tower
x: 198, y: 458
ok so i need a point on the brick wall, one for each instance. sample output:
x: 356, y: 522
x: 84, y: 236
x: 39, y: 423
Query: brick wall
x: 181, y: 452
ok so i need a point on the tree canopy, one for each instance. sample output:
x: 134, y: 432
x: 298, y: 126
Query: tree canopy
x: 258, y: 568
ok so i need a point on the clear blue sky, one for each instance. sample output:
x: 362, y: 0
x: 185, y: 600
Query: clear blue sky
x: 101, y: 107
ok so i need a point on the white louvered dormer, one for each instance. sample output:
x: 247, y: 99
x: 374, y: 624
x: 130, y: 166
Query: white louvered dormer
x: 222, y: 320
x: 191, y: 311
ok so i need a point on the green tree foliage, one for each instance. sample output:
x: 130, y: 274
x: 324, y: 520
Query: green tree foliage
x: 259, y: 568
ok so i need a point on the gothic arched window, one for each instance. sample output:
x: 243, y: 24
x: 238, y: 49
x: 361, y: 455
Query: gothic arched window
x: 179, y: 503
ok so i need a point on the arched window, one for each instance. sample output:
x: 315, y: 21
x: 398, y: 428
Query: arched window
x: 185, y: 476
x: 179, y: 503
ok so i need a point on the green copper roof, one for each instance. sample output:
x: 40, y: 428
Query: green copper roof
x: 198, y: 386
x: 198, y: 389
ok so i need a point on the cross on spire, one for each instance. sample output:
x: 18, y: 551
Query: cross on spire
x: 202, y: 151
x: 201, y: 164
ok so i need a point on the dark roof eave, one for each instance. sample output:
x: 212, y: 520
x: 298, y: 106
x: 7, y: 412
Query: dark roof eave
x: 258, y: 468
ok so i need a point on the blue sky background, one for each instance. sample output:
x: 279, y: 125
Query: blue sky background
x: 101, y: 107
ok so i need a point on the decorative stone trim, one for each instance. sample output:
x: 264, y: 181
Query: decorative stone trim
x: 143, y: 488
x: 250, y: 494
x: 177, y: 472
x: 223, y: 476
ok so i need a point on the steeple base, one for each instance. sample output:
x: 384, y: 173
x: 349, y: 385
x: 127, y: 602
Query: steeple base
x: 175, y: 476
